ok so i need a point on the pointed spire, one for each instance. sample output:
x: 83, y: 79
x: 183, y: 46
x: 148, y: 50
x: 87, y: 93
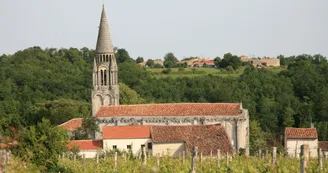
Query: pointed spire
x: 104, y: 42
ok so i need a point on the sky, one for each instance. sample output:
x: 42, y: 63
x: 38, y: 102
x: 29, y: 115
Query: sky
x: 148, y: 28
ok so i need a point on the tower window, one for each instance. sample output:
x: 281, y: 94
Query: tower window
x: 105, y: 77
x: 102, y: 77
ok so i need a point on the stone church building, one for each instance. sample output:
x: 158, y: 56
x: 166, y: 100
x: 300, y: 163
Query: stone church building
x: 106, y: 108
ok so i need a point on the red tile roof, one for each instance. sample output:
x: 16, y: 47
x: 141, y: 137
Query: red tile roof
x: 209, y: 62
x: 86, y: 144
x: 171, y: 109
x: 301, y: 133
x: 72, y: 124
x: 126, y: 132
x: 205, y: 137
x: 323, y: 145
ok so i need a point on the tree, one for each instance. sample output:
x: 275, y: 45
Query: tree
x: 123, y: 56
x: 217, y: 61
x: 139, y: 59
x: 87, y: 130
x: 150, y: 63
x: 41, y: 144
x: 129, y: 96
x: 60, y: 111
x: 257, y: 137
x: 229, y: 59
x: 170, y: 60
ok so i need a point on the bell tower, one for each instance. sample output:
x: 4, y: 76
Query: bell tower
x: 105, y: 83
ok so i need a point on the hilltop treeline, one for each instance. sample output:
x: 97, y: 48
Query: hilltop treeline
x: 56, y: 84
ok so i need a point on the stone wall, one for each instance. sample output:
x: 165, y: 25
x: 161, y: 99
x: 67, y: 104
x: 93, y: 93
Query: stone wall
x: 172, y: 149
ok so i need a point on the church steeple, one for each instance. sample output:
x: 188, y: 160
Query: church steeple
x: 105, y: 82
x: 104, y: 42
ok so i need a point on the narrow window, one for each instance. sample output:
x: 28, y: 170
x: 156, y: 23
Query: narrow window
x: 114, y: 147
x: 102, y: 77
x: 150, y: 146
x: 105, y: 77
x: 142, y: 146
x: 128, y: 147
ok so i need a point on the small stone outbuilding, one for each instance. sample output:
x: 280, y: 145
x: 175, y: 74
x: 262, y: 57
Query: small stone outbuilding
x: 295, y: 137
x: 173, y: 140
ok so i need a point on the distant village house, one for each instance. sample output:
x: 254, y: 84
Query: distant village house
x: 263, y: 62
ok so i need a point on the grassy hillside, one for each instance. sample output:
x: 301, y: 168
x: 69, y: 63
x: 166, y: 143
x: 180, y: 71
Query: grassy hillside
x: 195, y: 72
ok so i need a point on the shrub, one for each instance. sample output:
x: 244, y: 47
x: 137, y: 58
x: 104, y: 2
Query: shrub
x: 167, y: 71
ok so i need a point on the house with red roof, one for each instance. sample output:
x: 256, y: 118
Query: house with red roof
x: 127, y: 138
x: 174, y: 140
x: 295, y: 137
x: 208, y: 63
x: 324, y: 148
x: 88, y: 148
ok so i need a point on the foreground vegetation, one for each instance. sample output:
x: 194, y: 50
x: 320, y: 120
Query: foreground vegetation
x: 209, y: 165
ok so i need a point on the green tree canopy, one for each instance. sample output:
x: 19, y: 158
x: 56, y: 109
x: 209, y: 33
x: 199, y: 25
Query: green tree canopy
x: 230, y: 60
x: 170, y: 60
x: 123, y: 56
x: 42, y: 144
x: 139, y: 59
x: 150, y: 63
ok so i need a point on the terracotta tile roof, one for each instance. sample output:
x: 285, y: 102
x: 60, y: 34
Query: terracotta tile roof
x: 301, y: 133
x: 72, y: 124
x: 323, y: 145
x: 126, y: 132
x: 209, y: 62
x: 172, y: 109
x: 86, y: 144
x: 205, y: 137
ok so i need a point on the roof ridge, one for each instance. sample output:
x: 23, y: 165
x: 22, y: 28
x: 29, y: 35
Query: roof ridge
x: 166, y: 104
x: 87, y: 140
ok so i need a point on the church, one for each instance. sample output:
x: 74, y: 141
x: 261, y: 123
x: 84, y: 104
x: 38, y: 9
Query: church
x: 146, y: 118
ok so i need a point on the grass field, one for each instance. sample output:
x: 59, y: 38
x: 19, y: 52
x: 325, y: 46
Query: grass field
x: 195, y: 72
